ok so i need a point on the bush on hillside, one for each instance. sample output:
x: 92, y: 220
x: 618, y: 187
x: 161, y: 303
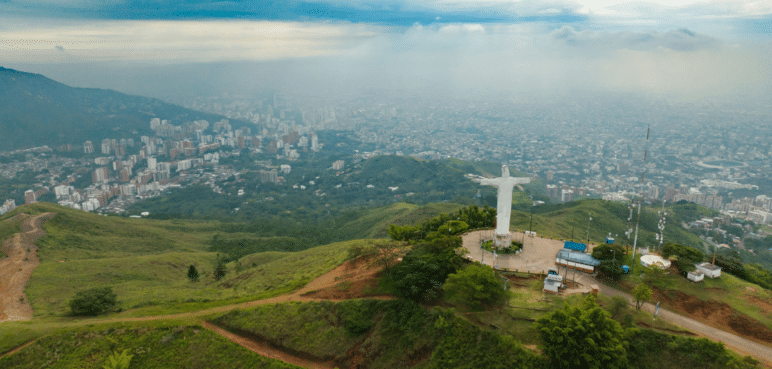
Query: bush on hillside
x: 422, y: 272
x: 475, y: 286
x: 582, y: 337
x: 93, y: 302
x: 193, y: 273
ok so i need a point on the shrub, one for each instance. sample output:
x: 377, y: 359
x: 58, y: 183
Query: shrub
x: 93, y: 302
x: 193, y: 273
x: 475, y: 286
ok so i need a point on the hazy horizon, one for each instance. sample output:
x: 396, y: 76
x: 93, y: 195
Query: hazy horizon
x: 690, y: 50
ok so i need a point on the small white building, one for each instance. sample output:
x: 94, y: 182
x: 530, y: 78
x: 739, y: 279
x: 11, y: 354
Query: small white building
x: 710, y: 270
x: 553, y: 283
x: 695, y: 276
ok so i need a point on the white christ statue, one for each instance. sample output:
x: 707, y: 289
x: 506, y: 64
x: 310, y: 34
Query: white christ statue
x: 505, y: 184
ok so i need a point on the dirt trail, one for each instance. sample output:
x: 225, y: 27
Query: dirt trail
x: 266, y: 350
x: 9, y: 353
x: 16, y: 269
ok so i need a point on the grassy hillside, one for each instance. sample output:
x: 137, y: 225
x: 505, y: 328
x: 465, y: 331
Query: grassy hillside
x: 563, y: 220
x: 146, y: 261
x: 153, y: 345
x: 379, y: 334
x: 162, y: 279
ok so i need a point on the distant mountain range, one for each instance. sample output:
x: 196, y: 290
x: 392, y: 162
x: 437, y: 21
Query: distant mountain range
x: 36, y: 111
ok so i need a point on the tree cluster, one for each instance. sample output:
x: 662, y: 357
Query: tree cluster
x: 424, y: 269
x: 687, y: 256
x: 471, y: 217
x: 611, y: 260
x: 582, y: 337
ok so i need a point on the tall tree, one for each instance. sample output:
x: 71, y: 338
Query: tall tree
x: 641, y: 294
x: 219, y: 268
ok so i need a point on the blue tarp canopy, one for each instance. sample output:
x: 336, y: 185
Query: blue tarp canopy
x: 575, y: 246
x: 577, y: 257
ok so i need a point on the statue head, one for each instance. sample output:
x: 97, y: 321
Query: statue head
x: 504, y: 171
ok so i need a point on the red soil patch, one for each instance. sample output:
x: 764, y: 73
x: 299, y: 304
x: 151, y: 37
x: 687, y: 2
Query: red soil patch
x: 16, y: 269
x: 355, y: 279
x: 716, y: 314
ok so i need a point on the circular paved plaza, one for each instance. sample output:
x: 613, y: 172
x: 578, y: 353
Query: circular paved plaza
x: 537, y: 256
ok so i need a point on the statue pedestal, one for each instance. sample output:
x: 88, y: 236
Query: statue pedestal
x: 503, y: 240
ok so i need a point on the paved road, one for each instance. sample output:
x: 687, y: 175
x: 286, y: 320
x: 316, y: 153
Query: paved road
x: 736, y: 343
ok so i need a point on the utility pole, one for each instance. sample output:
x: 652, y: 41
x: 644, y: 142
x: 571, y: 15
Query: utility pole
x: 530, y: 226
x: 640, y: 195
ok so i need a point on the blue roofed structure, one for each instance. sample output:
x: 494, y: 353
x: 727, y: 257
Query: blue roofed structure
x: 576, y: 260
x: 575, y: 246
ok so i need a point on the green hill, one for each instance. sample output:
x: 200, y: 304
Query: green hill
x: 36, y: 111
x: 135, y: 256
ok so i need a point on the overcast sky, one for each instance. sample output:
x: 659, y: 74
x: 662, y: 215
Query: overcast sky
x: 162, y: 48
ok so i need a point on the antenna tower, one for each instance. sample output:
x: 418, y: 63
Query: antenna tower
x: 640, y: 194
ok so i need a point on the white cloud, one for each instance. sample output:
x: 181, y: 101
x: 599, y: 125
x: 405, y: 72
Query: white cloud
x: 179, y: 41
x: 438, y: 58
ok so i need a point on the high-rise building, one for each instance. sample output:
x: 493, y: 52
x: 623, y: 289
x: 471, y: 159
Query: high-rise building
x: 268, y: 176
x: 653, y: 192
x: 88, y: 147
x: 106, y: 146
x: 8, y: 206
x: 552, y: 192
x: 151, y: 163
x: 338, y: 164
x: 567, y: 196
x: 100, y: 175
x: 125, y: 174
x: 29, y: 197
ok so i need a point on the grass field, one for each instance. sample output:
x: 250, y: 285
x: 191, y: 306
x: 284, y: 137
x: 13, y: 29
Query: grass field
x: 141, y: 281
x: 374, y: 223
x: 564, y: 220
x: 153, y: 345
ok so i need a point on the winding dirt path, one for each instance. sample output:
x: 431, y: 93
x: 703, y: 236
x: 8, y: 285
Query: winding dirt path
x: 266, y: 350
x: 16, y: 269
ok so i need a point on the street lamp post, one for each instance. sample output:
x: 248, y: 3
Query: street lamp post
x: 588, y: 229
